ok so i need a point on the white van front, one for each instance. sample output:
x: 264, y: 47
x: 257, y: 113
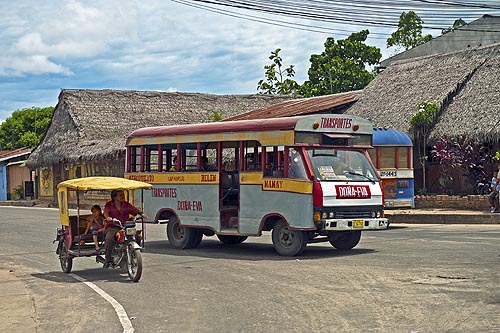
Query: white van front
x: 347, y: 191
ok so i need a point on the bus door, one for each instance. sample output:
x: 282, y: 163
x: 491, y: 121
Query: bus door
x: 229, y: 199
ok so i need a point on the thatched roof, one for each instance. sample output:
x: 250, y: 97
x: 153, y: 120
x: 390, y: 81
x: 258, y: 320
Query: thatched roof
x: 336, y: 103
x: 94, y: 124
x: 465, y: 84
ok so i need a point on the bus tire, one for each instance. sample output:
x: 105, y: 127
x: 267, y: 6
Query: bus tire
x: 230, y: 240
x: 344, y: 240
x: 196, y: 236
x: 178, y: 236
x: 288, y: 242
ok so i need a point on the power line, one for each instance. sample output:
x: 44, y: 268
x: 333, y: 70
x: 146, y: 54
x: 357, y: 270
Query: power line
x: 340, y: 11
x: 292, y: 25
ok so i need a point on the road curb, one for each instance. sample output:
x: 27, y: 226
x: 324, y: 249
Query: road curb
x: 443, y: 218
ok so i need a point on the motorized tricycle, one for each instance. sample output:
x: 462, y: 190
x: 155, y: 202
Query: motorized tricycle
x: 72, y: 242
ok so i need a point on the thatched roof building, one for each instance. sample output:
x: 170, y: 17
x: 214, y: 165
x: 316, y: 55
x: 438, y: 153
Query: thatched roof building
x: 94, y: 124
x: 465, y: 84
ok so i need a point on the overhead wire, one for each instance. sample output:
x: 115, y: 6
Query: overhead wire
x: 383, y: 13
x: 337, y: 11
x: 280, y: 23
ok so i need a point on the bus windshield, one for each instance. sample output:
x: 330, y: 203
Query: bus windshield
x: 341, y: 165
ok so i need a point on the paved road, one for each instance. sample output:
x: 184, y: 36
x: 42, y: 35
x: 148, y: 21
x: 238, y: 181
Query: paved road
x: 424, y: 278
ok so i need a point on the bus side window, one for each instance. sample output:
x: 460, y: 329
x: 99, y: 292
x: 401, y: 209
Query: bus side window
x: 296, y: 165
x: 151, y: 158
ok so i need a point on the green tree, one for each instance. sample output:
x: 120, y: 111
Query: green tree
x: 409, y: 32
x: 25, y: 127
x: 278, y: 79
x: 215, y: 116
x: 421, y: 124
x: 457, y: 24
x: 342, y: 66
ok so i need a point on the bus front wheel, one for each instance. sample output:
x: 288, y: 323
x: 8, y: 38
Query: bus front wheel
x: 182, y: 237
x: 344, y: 240
x: 288, y: 242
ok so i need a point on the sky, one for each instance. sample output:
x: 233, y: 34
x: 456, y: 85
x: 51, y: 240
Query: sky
x: 168, y: 45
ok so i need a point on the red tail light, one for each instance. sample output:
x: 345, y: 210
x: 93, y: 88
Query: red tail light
x: 317, y: 194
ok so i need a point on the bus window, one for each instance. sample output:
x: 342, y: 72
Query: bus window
x: 229, y: 156
x: 373, y: 156
x: 135, y: 159
x: 296, y: 165
x: 169, y: 158
x: 387, y: 157
x: 151, y: 159
x: 337, y: 164
x: 403, y: 157
x: 209, y: 159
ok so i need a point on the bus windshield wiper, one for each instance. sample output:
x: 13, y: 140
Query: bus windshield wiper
x: 359, y: 174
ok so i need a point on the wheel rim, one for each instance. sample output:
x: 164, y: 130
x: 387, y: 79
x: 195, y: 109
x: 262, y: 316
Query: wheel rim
x: 178, y: 232
x: 286, y: 237
x: 132, y: 262
x: 64, y: 261
x: 64, y: 258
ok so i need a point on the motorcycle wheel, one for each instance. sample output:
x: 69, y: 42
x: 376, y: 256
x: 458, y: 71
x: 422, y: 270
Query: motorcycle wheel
x: 65, y: 259
x: 134, y: 263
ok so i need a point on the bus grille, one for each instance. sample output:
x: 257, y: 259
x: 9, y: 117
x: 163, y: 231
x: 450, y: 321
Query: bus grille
x: 352, y: 215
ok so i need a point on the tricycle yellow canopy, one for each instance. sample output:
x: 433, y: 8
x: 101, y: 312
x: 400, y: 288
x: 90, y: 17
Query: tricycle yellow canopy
x: 102, y: 183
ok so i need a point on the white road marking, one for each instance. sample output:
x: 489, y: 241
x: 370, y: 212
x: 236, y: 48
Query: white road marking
x: 120, y: 311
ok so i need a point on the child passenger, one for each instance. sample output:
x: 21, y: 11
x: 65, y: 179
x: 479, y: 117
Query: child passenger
x: 95, y: 224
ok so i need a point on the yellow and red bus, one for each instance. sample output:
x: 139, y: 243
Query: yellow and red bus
x: 307, y: 179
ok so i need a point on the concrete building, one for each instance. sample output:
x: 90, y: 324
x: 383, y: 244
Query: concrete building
x: 13, y: 173
x: 481, y: 32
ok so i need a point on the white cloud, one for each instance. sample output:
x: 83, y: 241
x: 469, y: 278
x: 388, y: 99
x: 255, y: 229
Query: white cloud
x: 35, y: 64
x: 59, y: 33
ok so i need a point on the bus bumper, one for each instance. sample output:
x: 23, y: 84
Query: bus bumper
x: 354, y: 224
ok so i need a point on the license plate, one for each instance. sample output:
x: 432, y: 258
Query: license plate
x: 358, y: 223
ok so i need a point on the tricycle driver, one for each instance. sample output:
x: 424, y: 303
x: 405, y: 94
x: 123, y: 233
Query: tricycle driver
x: 116, y: 208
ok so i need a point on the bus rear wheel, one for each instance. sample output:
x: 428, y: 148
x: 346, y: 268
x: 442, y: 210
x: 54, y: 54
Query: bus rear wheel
x: 196, y: 238
x: 344, y: 240
x: 229, y: 240
x: 182, y: 237
x: 288, y: 242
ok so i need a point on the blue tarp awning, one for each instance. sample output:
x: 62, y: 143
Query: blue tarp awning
x: 390, y: 137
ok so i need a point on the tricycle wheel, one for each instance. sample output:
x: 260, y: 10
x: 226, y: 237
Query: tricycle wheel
x: 64, y: 258
x: 134, y: 263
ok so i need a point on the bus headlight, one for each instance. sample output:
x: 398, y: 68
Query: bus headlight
x: 379, y: 214
x: 324, y: 215
x: 373, y: 214
x: 331, y: 215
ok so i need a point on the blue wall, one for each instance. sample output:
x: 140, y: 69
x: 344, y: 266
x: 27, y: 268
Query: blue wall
x: 3, y: 182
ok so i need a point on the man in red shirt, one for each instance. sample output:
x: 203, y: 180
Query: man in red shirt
x: 116, y: 208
